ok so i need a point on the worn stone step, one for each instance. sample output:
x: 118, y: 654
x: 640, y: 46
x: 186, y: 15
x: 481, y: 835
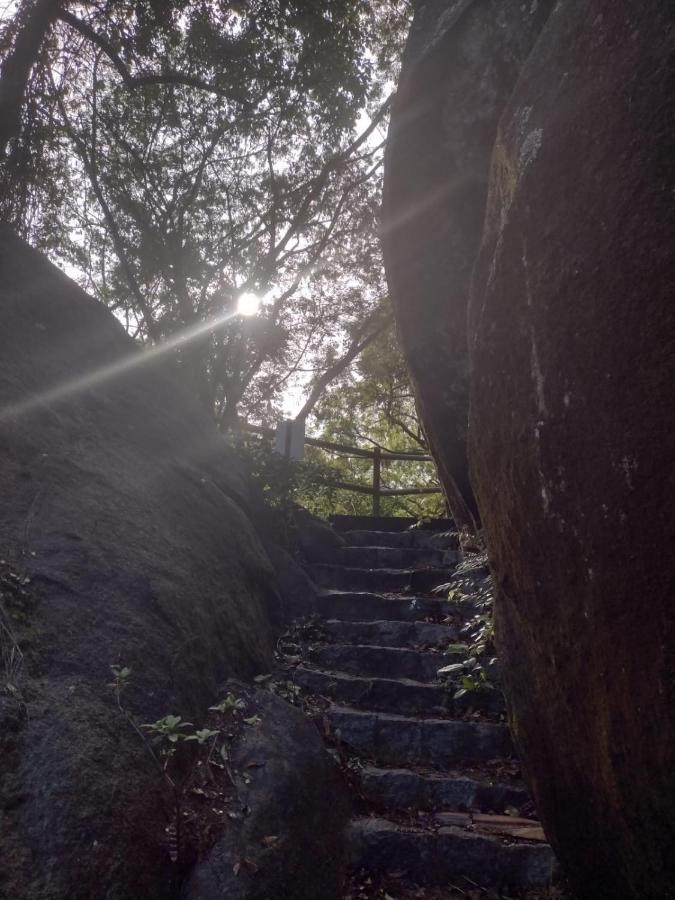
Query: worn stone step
x: 379, y: 692
x: 369, y: 606
x: 444, y: 540
x: 381, y: 662
x: 403, y: 696
x: 405, y: 741
x: 347, y: 578
x: 391, y: 633
x: 405, y: 789
x: 393, y: 557
x: 448, y: 855
x: 389, y: 524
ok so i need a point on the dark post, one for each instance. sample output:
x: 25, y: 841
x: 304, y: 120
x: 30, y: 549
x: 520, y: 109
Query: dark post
x: 377, y: 465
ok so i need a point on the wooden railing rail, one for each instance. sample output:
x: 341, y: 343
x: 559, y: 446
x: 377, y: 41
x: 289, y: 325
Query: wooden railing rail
x: 376, y: 454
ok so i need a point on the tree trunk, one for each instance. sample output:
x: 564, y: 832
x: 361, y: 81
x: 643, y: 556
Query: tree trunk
x: 33, y: 23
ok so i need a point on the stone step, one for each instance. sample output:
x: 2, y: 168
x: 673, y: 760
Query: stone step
x: 423, y: 539
x: 405, y: 741
x: 347, y: 578
x: 382, y: 694
x: 448, y: 855
x: 381, y: 662
x: 369, y: 606
x: 402, y: 696
x: 393, y: 557
x: 405, y: 789
x: 389, y: 524
x: 391, y: 633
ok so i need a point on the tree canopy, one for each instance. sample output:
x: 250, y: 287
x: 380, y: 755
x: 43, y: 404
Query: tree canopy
x: 174, y: 156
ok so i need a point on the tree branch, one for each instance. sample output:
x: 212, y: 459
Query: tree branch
x: 339, y: 366
x: 146, y: 78
x: 89, y: 165
x: 38, y: 18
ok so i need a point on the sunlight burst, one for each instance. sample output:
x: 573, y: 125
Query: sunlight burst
x: 248, y: 304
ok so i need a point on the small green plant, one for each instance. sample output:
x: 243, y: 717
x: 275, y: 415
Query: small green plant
x: 229, y: 704
x: 162, y: 739
x: 201, y: 735
x: 454, y: 594
x: 121, y: 678
x: 474, y: 681
x: 168, y: 729
x: 253, y: 720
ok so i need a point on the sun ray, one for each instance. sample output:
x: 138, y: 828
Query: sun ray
x: 133, y: 360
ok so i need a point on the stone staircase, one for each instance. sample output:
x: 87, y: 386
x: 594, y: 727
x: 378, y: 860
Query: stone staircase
x: 438, y: 795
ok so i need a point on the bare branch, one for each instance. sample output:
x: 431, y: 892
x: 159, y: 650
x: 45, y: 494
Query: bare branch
x: 147, y: 78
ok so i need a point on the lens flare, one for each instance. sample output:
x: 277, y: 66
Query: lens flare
x: 102, y: 374
x: 248, y: 304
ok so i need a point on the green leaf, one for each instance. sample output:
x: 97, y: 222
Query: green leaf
x: 202, y: 735
x: 229, y: 704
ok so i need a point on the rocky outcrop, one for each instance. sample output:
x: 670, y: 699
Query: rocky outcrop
x: 572, y: 438
x: 572, y: 343
x: 124, y: 539
x: 461, y: 62
x: 286, y: 834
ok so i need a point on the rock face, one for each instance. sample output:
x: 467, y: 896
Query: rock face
x: 460, y: 65
x: 572, y: 440
x: 124, y: 539
x: 289, y: 841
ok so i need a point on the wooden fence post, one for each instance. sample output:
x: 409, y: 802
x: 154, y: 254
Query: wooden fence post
x: 377, y: 472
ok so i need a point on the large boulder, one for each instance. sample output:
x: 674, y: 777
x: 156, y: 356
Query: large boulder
x: 124, y: 539
x: 572, y: 436
x: 294, y: 804
x: 461, y: 62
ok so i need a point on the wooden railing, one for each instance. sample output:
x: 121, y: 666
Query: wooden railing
x: 377, y: 455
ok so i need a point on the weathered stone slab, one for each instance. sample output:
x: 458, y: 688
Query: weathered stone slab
x: 400, y: 740
x: 392, y: 633
x: 418, y: 537
x: 404, y: 789
x: 451, y: 853
x: 364, y: 606
x: 382, y: 662
x: 379, y: 694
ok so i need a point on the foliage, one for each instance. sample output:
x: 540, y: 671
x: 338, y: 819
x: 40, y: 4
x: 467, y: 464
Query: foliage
x: 228, y: 704
x: 476, y: 672
x: 178, y: 749
x: 121, y: 680
x: 373, y: 406
x: 170, y: 729
x: 175, y: 155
